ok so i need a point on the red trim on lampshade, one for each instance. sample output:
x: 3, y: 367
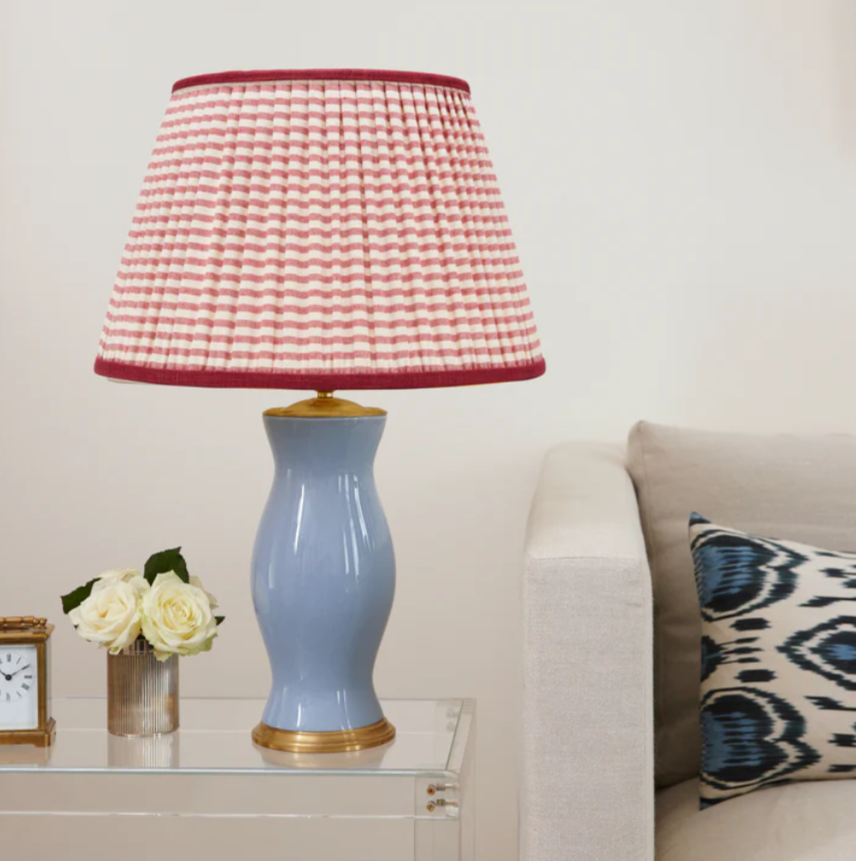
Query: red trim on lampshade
x: 317, y: 381
x: 240, y: 77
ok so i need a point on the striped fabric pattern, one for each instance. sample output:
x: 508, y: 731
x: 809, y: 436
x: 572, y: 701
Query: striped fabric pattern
x: 325, y: 231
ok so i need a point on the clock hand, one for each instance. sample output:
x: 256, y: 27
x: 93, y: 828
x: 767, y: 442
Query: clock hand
x: 9, y: 676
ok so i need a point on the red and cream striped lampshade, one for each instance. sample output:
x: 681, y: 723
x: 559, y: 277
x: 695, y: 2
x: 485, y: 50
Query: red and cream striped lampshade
x: 320, y: 229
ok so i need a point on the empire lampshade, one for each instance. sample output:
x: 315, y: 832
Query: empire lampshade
x: 320, y: 229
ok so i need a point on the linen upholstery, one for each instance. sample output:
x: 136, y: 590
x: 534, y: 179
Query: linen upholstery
x: 803, y: 821
x: 587, y: 781
x: 800, y: 487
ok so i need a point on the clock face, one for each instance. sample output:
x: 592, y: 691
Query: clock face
x: 19, y: 687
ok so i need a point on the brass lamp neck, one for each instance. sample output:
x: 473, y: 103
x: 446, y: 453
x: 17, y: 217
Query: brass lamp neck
x: 325, y: 405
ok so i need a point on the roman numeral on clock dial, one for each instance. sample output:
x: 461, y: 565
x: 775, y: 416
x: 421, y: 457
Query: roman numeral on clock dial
x: 19, y: 695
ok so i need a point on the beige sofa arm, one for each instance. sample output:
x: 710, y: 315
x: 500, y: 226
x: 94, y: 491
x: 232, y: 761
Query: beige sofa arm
x: 587, y: 788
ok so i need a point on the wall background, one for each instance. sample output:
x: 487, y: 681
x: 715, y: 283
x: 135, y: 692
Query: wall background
x: 681, y: 180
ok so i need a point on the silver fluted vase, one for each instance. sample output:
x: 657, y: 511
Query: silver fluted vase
x: 142, y: 693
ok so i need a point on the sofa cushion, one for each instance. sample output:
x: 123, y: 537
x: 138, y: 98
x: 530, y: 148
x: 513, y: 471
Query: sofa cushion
x: 802, y: 821
x: 778, y: 661
x: 800, y: 487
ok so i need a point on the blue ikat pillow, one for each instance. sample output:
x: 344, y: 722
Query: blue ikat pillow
x: 778, y: 661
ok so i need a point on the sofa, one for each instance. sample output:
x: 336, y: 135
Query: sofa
x: 611, y: 744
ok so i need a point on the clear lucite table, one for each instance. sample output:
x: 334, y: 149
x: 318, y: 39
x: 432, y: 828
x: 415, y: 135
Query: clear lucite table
x: 207, y: 792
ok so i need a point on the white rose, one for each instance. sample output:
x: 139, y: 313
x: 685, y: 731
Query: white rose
x: 176, y: 617
x: 110, y: 616
x: 124, y: 574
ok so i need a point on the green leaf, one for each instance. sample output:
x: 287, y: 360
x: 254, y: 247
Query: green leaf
x: 77, y: 596
x: 166, y: 560
x: 219, y: 619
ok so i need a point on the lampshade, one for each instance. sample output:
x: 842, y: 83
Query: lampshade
x: 320, y: 229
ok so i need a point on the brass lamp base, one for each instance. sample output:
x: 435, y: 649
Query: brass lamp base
x: 323, y: 741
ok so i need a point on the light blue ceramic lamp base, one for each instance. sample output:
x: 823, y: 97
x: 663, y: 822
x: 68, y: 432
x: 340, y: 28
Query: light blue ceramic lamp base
x: 323, y: 579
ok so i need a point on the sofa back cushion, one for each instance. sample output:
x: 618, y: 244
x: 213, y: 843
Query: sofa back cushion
x: 796, y: 487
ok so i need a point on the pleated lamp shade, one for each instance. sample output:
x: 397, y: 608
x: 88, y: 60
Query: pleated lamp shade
x: 320, y: 229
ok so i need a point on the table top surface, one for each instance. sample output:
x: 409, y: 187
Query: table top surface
x: 214, y: 737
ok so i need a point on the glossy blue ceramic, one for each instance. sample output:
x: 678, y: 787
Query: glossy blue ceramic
x: 323, y: 573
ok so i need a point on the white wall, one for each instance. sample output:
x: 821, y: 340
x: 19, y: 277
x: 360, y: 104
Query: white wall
x: 681, y: 180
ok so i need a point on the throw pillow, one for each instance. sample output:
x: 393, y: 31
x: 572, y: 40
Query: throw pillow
x: 778, y: 669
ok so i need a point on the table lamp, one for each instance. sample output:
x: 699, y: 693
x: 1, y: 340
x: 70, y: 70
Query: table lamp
x: 321, y: 230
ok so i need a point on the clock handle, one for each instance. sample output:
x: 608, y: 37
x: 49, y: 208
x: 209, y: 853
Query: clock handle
x: 22, y: 623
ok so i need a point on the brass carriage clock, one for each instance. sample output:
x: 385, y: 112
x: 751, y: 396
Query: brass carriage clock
x: 25, y: 708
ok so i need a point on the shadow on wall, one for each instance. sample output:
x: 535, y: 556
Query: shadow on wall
x: 844, y: 24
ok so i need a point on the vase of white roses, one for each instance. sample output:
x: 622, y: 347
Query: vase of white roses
x: 145, y: 622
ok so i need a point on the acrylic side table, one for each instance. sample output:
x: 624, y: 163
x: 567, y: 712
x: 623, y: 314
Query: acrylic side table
x: 207, y: 793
